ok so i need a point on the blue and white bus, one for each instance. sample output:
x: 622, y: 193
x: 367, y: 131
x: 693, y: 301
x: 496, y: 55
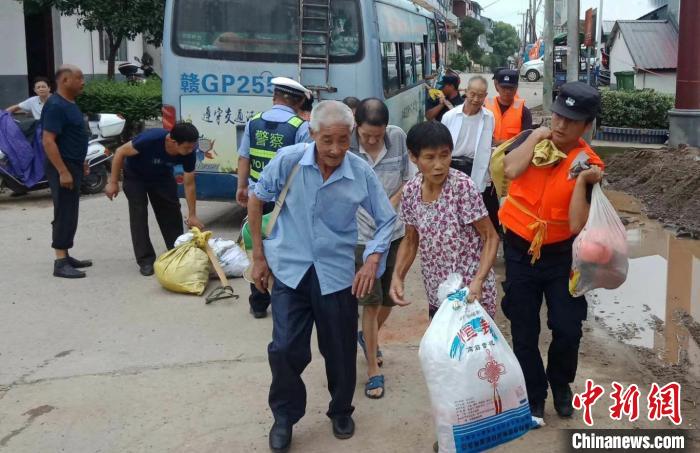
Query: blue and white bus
x: 220, y: 55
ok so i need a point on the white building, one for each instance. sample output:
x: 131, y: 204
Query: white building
x: 443, y: 12
x: 35, y: 45
x: 649, y: 48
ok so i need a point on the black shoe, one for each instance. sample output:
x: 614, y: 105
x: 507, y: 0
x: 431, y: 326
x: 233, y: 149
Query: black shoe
x: 258, y: 314
x: 436, y: 447
x: 146, y: 270
x: 537, y: 409
x: 63, y: 269
x: 78, y: 263
x: 343, y: 427
x: 280, y: 437
x: 563, y: 400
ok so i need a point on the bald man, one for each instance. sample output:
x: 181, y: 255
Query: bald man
x: 65, y: 140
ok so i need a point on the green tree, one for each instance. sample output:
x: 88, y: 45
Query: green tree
x: 469, y: 31
x: 117, y: 19
x: 505, y: 42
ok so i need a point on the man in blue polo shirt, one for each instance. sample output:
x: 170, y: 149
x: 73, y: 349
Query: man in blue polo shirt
x: 148, y: 176
x: 264, y: 134
x: 65, y: 139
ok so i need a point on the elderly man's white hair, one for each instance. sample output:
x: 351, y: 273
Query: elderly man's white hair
x: 331, y: 113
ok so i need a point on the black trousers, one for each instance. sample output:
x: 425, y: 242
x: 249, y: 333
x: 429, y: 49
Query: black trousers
x: 492, y: 206
x: 166, y: 205
x: 489, y: 196
x: 65, y: 204
x: 524, y: 287
x: 294, y: 313
x: 260, y: 301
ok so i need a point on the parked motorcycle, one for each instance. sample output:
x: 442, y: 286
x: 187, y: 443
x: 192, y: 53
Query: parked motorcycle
x: 138, y: 73
x: 105, y: 130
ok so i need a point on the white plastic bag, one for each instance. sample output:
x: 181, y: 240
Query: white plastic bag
x: 232, y: 258
x: 183, y: 239
x: 234, y: 261
x: 476, y: 386
x: 600, y: 254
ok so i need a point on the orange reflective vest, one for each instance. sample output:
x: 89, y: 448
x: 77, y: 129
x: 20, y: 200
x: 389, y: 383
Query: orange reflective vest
x: 537, y: 205
x: 508, y: 124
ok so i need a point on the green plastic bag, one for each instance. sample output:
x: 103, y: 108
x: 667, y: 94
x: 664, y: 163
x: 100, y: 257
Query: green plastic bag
x: 247, y: 237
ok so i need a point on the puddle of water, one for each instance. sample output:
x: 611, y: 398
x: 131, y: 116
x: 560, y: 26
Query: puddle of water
x: 658, y: 307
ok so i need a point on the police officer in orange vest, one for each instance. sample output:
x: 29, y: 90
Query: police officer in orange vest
x: 546, y: 207
x: 512, y: 117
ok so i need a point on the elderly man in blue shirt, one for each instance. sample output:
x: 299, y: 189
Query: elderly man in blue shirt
x: 311, y: 253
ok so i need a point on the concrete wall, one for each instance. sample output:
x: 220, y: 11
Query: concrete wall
x: 82, y: 48
x: 72, y: 45
x: 620, y: 58
x: 459, y: 8
x: 664, y: 82
x: 13, y: 70
x: 157, y: 54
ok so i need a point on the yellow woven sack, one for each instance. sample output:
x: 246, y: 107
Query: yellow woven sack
x: 185, y: 269
x: 500, y: 182
x: 545, y: 154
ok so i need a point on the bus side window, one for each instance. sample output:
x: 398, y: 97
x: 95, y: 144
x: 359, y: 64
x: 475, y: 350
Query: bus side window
x: 419, y: 52
x: 436, y: 58
x: 390, y: 68
x: 432, y: 45
x: 408, y: 71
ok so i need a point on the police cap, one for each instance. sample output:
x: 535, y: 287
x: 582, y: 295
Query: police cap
x: 506, y: 77
x: 290, y: 86
x: 577, y: 101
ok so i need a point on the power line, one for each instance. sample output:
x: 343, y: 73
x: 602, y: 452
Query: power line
x: 490, y: 4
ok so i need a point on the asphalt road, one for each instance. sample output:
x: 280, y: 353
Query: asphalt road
x: 115, y: 363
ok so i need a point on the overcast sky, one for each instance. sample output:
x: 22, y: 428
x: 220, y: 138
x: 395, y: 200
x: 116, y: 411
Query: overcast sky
x: 508, y: 10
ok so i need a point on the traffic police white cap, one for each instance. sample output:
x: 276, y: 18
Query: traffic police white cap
x: 290, y: 86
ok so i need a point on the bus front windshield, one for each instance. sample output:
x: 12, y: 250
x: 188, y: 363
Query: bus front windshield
x: 255, y: 30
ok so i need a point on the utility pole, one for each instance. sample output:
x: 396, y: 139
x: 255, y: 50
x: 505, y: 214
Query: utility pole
x: 527, y: 27
x: 533, y: 13
x: 685, y: 118
x: 548, y: 83
x: 572, y: 43
x: 599, y: 34
x: 522, y: 35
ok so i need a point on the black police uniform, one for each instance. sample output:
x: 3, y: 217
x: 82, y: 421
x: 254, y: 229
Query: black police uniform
x: 527, y: 284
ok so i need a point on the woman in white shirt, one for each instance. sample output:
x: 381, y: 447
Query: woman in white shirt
x: 34, y: 104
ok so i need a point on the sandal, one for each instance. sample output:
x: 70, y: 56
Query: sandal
x: 375, y: 382
x: 363, y: 345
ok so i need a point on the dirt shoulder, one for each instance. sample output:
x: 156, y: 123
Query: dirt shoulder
x: 666, y: 180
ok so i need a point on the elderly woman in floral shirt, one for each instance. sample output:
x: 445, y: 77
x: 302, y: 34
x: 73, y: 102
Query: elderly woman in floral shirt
x: 446, y: 218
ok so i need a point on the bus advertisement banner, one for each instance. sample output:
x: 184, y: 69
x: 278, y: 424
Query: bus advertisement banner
x: 221, y: 119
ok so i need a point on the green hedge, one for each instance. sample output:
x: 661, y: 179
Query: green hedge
x: 644, y: 109
x: 136, y: 102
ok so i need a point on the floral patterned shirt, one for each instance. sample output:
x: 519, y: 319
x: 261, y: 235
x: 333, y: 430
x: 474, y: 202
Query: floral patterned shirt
x: 448, y: 240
